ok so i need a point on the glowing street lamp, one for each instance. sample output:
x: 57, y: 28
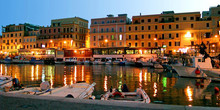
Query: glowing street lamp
x: 51, y: 41
x: 216, y: 36
x: 64, y: 42
x: 106, y: 40
x: 188, y: 35
x: 155, y: 38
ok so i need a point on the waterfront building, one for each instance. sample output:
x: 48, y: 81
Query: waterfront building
x: 175, y: 32
x: 14, y: 37
x: 67, y: 33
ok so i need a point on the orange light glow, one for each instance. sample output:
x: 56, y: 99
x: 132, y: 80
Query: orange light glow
x: 216, y: 36
x: 64, y: 42
x: 155, y: 38
x: 75, y: 51
x: 188, y: 35
x: 106, y: 40
x: 140, y: 51
x: 189, y: 93
x: 51, y: 41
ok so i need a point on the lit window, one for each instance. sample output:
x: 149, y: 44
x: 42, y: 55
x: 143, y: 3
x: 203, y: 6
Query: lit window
x: 120, y: 37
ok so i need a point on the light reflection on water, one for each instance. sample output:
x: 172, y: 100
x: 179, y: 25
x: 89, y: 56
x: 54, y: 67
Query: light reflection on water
x: 162, y: 87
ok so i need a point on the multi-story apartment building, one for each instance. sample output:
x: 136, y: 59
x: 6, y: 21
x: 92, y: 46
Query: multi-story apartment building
x: 16, y: 37
x: 68, y: 33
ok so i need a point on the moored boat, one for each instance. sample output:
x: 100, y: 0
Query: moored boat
x: 70, y: 61
x: 5, y: 81
x: 139, y: 96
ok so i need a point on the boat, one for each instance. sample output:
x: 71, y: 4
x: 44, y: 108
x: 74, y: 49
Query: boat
x: 130, y: 63
x: 117, y: 62
x: 7, y: 60
x: 98, y: 62
x: 44, y: 88
x: 79, y: 62
x: 70, y: 61
x: 80, y: 90
x: 87, y: 62
x: 59, y: 61
x: 139, y: 96
x: 142, y: 63
x: 157, y: 66
x: 34, y: 60
x: 5, y: 81
x: 109, y: 62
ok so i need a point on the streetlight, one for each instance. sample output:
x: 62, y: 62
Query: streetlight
x: 106, y: 41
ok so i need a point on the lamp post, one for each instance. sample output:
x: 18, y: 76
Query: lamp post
x: 106, y: 41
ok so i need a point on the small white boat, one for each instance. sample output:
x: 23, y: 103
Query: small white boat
x: 70, y: 61
x: 109, y: 62
x: 98, y: 62
x: 139, y: 96
x: 116, y: 62
x: 87, y: 62
x: 79, y: 62
x: 5, y: 81
x: 44, y: 88
x: 78, y: 90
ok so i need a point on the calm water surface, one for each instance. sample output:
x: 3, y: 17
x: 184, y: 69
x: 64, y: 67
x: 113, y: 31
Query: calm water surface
x: 162, y: 87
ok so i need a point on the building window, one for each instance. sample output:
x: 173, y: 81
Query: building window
x: 142, y: 20
x: 177, y: 43
x: 129, y: 36
x: 120, y: 37
x: 191, y: 18
x: 54, y: 30
x: 7, y: 47
x: 155, y: 27
x: 155, y: 35
x: 113, y: 37
x: 24, y: 40
x: 129, y: 28
x: 113, y: 30
x: 162, y: 36
x: 11, y: 40
x: 156, y: 20
x: 169, y: 26
x: 149, y: 44
x: 27, y: 46
x: 191, y: 25
x: 27, y: 40
x: 33, y: 39
x: 107, y: 30
x: 177, y: 35
x: 170, y: 43
x: 142, y: 27
x: 94, y: 44
x: 207, y: 24
x: 50, y: 30
x: 184, y: 18
x: 103, y: 22
x: 58, y: 29
x: 136, y: 37
x: 162, y: 26
x: 20, y: 40
x: 149, y: 20
x: 192, y: 43
x: 112, y: 44
x: 170, y: 36
x: 11, y: 35
x: 30, y: 39
x: 102, y: 30
x: 135, y: 27
x: 156, y: 44
x: 129, y: 44
x: 94, y: 30
x: 136, y: 44
x: 142, y: 44
x: 142, y: 36
x: 177, y: 26
x: 149, y: 36
x: 120, y: 29
x: 148, y: 27
x: 45, y: 31
x: 94, y: 38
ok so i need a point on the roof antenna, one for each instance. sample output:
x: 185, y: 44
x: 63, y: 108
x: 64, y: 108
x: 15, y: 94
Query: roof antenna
x: 140, y: 14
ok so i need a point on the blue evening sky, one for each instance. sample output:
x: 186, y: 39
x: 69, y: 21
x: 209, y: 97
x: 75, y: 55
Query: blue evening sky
x: 40, y: 12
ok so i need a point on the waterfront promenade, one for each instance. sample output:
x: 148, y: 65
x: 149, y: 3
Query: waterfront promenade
x: 30, y: 102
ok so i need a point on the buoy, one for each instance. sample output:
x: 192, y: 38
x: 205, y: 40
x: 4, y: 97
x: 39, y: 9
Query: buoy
x: 197, y: 72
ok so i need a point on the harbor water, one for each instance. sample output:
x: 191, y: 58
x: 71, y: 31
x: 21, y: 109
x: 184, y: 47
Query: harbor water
x: 163, y: 87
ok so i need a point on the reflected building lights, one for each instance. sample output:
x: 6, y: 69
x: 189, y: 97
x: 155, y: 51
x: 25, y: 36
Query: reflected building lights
x: 145, y: 76
x: 155, y: 89
x: 43, y: 74
x: 64, y: 82
x: 75, y: 74
x: 105, y: 84
x: 37, y: 67
x: 140, y: 79
x: 189, y: 93
x: 82, y: 72
x: 1, y: 70
x: 32, y: 72
x: 6, y: 70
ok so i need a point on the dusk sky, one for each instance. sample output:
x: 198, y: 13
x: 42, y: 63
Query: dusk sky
x: 40, y: 12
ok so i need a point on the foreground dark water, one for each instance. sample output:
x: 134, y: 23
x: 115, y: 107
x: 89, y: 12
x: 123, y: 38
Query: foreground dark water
x: 162, y: 87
